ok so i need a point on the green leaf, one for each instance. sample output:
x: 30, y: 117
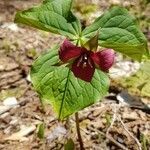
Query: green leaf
x: 66, y: 93
x: 58, y: 6
x: 52, y: 16
x: 69, y: 145
x: 119, y: 30
x: 40, y: 130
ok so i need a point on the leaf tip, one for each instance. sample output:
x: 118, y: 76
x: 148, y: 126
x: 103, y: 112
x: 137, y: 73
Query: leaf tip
x: 17, y: 17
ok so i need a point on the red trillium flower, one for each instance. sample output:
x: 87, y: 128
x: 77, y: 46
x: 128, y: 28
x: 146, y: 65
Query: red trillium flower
x: 84, y: 61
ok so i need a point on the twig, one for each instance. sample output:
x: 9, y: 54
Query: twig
x: 137, y: 122
x: 115, y: 110
x: 78, y: 131
x: 136, y: 140
x: 109, y: 138
x: 5, y: 110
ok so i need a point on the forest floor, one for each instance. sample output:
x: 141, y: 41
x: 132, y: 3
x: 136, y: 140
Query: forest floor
x: 109, y: 124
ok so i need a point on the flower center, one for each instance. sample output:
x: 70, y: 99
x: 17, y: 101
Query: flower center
x: 84, y: 60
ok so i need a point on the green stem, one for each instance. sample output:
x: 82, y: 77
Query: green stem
x: 78, y: 131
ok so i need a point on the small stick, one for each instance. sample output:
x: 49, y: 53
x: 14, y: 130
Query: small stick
x: 136, y: 140
x: 115, y: 110
x: 109, y: 138
x: 78, y: 131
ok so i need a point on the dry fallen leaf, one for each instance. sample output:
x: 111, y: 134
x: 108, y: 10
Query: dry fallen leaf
x: 10, y: 101
x: 4, y: 109
x: 21, y: 135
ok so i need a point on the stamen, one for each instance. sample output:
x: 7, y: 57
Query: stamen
x: 89, y: 62
x: 84, y: 64
x: 79, y: 62
x: 84, y: 60
x: 85, y: 57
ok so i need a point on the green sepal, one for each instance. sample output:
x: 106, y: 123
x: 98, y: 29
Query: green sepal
x: 92, y: 44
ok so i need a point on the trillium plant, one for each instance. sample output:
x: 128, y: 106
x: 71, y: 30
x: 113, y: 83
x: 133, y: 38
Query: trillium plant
x: 74, y: 74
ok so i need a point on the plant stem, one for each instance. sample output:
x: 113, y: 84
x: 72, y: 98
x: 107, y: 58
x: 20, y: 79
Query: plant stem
x: 78, y: 132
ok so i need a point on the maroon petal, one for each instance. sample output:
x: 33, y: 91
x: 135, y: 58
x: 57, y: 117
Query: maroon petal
x: 104, y: 59
x: 83, y: 69
x: 69, y: 51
